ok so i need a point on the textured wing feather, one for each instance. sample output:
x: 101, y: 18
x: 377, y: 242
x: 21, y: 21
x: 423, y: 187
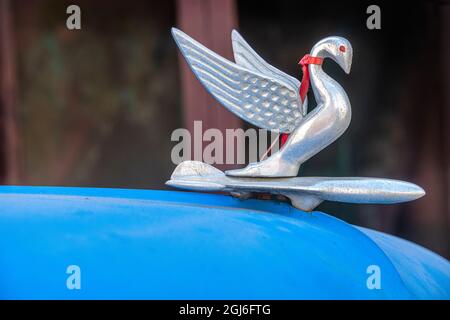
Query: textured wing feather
x: 245, y: 56
x: 264, y: 100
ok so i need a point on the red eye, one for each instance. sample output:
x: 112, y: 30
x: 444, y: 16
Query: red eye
x: 342, y: 49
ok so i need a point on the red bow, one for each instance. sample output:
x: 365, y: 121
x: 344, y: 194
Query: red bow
x: 304, y: 86
x: 304, y: 62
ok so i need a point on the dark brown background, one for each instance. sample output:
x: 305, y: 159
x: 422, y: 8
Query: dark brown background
x: 96, y: 107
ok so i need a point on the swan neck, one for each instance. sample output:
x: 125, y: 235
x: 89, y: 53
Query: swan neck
x: 321, y: 82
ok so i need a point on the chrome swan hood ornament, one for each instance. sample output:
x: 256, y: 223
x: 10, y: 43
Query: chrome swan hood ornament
x: 273, y: 100
x: 319, y: 128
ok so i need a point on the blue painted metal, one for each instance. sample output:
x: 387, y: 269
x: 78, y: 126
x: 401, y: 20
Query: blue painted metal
x: 138, y: 244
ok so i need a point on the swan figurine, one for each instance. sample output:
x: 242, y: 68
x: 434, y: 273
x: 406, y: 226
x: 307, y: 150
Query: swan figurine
x: 269, y: 98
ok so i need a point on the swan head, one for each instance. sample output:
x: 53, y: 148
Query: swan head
x: 337, y: 48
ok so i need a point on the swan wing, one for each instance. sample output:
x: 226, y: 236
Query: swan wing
x: 265, y: 100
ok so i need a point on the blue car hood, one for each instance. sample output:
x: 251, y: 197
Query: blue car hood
x: 147, y: 244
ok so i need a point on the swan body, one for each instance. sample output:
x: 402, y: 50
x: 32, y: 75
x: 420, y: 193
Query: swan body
x: 320, y: 127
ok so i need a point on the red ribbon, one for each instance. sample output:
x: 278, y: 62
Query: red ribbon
x: 304, y: 62
x: 304, y: 86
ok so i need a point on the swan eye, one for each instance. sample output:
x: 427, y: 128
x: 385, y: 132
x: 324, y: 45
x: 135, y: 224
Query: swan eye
x: 341, y: 48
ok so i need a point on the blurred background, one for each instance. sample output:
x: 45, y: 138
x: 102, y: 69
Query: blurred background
x: 96, y: 107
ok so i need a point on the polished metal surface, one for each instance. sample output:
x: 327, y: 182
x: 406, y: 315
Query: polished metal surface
x: 305, y: 193
x: 319, y: 128
x: 267, y: 97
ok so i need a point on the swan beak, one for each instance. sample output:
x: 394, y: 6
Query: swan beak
x: 347, y: 57
x: 347, y: 66
x: 345, y: 62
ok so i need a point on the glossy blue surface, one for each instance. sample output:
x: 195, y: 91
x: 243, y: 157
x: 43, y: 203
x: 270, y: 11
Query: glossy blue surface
x: 138, y: 244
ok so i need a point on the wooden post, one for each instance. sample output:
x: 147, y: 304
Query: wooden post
x: 210, y: 22
x: 445, y: 54
x: 8, y: 97
x: 426, y: 220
